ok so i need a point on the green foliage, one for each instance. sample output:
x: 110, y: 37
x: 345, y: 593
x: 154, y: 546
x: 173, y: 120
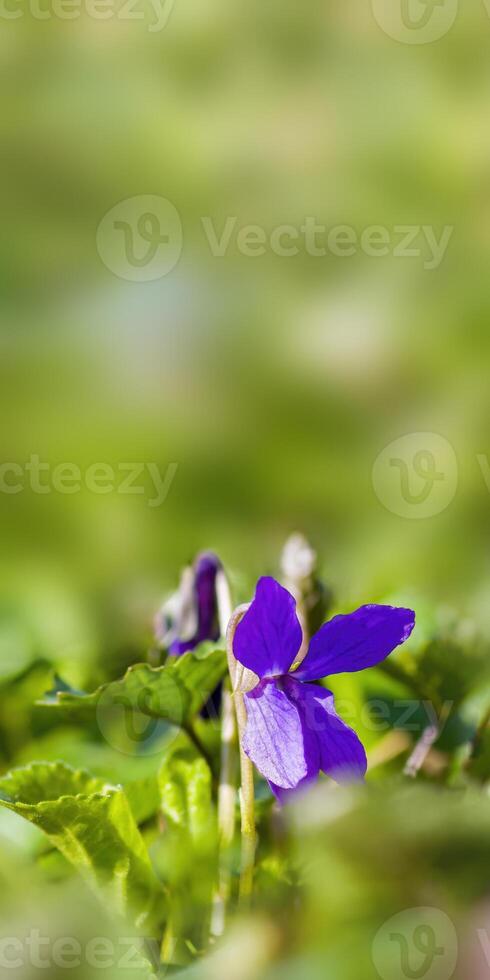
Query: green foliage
x: 93, y: 827
x: 447, y: 671
x: 173, y: 693
x: 186, y: 853
x: 185, y: 789
x: 142, y: 828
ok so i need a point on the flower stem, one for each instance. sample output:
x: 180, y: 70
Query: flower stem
x: 228, y: 772
x: 247, y: 807
x: 247, y: 797
x: 227, y: 782
x: 226, y: 808
x: 228, y: 765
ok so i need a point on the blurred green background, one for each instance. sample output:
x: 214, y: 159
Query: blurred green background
x: 273, y: 382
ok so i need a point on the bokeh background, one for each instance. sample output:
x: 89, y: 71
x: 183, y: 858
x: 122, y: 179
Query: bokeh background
x: 272, y: 382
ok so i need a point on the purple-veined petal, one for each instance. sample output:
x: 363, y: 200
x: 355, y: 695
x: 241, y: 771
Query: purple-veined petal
x: 341, y: 752
x: 275, y: 738
x: 360, y: 639
x: 330, y: 744
x: 269, y: 636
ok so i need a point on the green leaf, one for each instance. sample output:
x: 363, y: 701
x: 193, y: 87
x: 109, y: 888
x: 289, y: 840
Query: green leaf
x: 185, y: 788
x: 91, y: 823
x: 186, y: 854
x: 174, y: 692
x: 137, y: 774
x: 143, y: 798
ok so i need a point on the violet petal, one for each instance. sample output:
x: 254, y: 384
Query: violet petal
x: 341, y: 752
x: 269, y: 636
x: 198, y: 606
x: 360, y: 639
x: 275, y: 738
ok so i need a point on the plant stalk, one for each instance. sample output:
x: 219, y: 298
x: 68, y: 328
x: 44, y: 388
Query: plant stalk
x: 247, y: 807
x: 241, y: 680
x: 228, y: 765
x: 228, y: 773
x: 226, y: 808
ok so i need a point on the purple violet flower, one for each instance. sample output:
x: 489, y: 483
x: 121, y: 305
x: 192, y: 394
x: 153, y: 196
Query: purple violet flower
x: 190, y: 616
x: 293, y: 730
